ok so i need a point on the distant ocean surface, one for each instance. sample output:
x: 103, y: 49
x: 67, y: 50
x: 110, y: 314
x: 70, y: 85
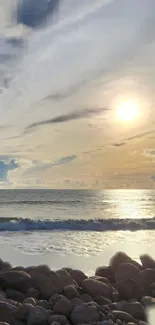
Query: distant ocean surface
x: 80, y: 222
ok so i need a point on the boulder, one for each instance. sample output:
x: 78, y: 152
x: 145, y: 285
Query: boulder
x: 61, y: 319
x: 101, y: 301
x: 40, y: 269
x: 149, y: 275
x: 15, y: 295
x: 44, y: 303
x: 33, y: 293
x: 71, y: 292
x: 6, y: 312
x: 17, y: 280
x: 106, y: 272
x: 115, y: 296
x: 23, y: 310
x: 107, y: 322
x: 123, y: 316
x: 78, y: 276
x: 121, y: 257
x: 3, y: 323
x: 48, y: 283
x: 147, y: 301
x: 53, y: 300
x: 135, y: 309
x: 101, y: 279
x: 31, y: 301
x: 65, y: 278
x: 96, y: 288
x: 125, y: 270
x: 129, y: 289
x: 85, y: 314
x: 63, y: 307
x: 37, y: 316
x: 147, y: 261
x: 85, y: 297
x: 76, y: 302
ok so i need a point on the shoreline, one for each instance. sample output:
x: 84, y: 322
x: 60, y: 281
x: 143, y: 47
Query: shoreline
x: 118, y: 292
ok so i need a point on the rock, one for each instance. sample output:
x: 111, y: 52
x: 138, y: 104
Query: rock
x: 37, y: 315
x: 33, y: 293
x: 3, y: 323
x: 125, y: 270
x: 17, y: 280
x: 6, y: 312
x: 23, y: 311
x: 55, y: 323
x: 96, y: 288
x: 15, y: 295
x: 44, y: 303
x: 48, y: 283
x: 129, y: 289
x: 147, y: 261
x: 63, y: 306
x: 106, y: 272
x: 115, y: 296
x: 101, y: 279
x: 142, y: 281
x: 85, y: 314
x: 142, y: 323
x: 31, y: 301
x: 149, y: 275
x: 118, y: 322
x: 71, y: 292
x: 107, y: 322
x: 121, y: 257
x: 53, y: 300
x: 78, y: 276
x: 6, y: 266
x: 85, y: 297
x: 58, y: 318
x: 2, y: 295
x: 135, y: 309
x: 101, y: 301
x: 40, y: 269
x: 76, y: 302
x: 148, y: 301
x: 65, y: 278
x: 123, y: 316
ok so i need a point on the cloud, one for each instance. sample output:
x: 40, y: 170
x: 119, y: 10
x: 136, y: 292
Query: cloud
x: 153, y: 178
x: 150, y: 153
x: 119, y: 144
x: 5, y: 167
x: 43, y: 166
x: 140, y: 135
x: 68, y: 117
x: 34, y: 13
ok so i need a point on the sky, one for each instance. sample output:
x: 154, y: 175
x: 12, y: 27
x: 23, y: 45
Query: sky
x: 66, y: 67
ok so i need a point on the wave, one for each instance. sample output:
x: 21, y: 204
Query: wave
x: 33, y: 202
x: 96, y: 225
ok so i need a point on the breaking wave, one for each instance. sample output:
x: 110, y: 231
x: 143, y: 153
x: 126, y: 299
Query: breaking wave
x: 97, y: 225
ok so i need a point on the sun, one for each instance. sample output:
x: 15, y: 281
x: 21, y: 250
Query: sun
x: 127, y: 111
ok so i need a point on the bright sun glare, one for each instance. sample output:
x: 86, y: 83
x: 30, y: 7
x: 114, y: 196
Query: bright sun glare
x: 127, y: 111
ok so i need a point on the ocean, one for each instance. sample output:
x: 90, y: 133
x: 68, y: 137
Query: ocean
x: 77, y: 222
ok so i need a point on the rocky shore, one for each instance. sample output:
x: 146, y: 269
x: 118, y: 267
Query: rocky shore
x: 119, y: 293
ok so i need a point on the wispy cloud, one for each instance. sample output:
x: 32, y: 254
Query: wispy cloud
x: 86, y: 113
x: 43, y: 166
x: 140, y: 135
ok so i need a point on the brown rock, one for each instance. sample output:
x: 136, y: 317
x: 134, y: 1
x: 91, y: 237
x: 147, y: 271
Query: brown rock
x: 71, y: 292
x: 15, y: 295
x: 85, y: 314
x: 78, y: 276
x: 23, y: 311
x: 135, y: 309
x: 37, y: 315
x: 129, y: 289
x: 63, y: 306
x: 123, y: 316
x: 17, y: 280
x: 147, y: 261
x: 125, y: 270
x: 96, y: 288
x: 48, y: 284
x: 58, y: 318
x: 106, y: 272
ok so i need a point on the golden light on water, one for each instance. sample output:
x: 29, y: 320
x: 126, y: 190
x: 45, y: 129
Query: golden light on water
x: 127, y: 111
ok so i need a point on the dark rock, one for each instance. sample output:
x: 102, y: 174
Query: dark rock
x: 101, y: 279
x: 147, y: 261
x: 78, y: 276
x: 85, y: 297
x: 121, y: 257
x: 31, y: 301
x: 102, y: 301
x: 33, y: 293
x: 37, y: 316
x: 48, y: 283
x: 129, y: 289
x: 85, y: 314
x: 65, y: 278
x: 23, y: 310
x: 58, y: 318
x: 123, y: 316
x: 53, y: 300
x: 44, y: 303
x: 149, y: 275
x: 6, y: 312
x: 17, y: 280
x: 71, y: 292
x: 125, y: 270
x: 96, y: 288
x: 106, y: 272
x: 135, y: 309
x: 76, y: 302
x: 63, y: 307
x: 15, y: 295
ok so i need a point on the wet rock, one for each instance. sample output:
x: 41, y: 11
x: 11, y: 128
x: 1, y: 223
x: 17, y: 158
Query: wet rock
x: 48, y: 283
x: 17, y: 280
x: 31, y: 301
x: 58, y: 318
x: 23, y: 310
x: 78, y: 276
x: 85, y: 314
x: 123, y: 316
x: 129, y: 289
x: 37, y: 315
x: 135, y: 309
x: 96, y: 288
x: 71, y: 292
x: 63, y: 306
x: 125, y: 270
x: 147, y: 261
x: 15, y: 295
x: 33, y: 293
x: 106, y: 272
